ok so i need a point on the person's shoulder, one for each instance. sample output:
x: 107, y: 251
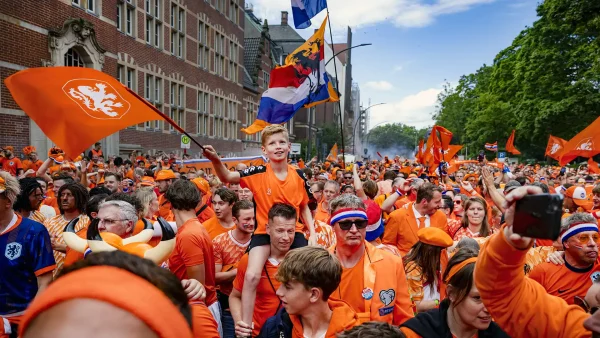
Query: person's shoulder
x: 36, y: 226
x: 544, y: 268
x: 401, y: 212
x: 254, y: 170
x: 53, y: 220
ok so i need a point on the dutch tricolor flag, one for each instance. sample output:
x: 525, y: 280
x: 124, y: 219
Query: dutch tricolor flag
x: 491, y: 146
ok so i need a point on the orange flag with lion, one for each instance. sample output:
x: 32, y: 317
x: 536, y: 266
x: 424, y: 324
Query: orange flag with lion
x: 76, y: 106
x: 584, y: 144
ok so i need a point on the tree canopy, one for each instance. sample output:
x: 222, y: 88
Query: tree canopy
x: 546, y: 82
x: 395, y: 139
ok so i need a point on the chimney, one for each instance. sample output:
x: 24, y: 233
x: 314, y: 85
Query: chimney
x: 284, y: 18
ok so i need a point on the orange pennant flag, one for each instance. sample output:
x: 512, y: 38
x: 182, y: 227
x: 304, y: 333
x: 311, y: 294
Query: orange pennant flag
x: 333, y: 154
x: 451, y: 151
x: 510, y: 144
x: 584, y: 144
x: 593, y: 166
x: 76, y: 106
x: 555, y: 147
x: 420, y: 152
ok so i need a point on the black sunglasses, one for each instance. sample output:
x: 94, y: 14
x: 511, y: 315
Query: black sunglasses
x: 347, y: 225
x: 348, y: 177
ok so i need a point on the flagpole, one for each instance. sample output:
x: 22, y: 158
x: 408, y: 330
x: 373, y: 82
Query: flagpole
x: 168, y: 119
x: 337, y: 85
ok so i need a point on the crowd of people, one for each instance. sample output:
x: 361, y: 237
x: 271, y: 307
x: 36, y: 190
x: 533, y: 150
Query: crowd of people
x: 148, y: 246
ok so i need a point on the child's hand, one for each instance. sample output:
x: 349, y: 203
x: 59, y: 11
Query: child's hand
x: 210, y: 153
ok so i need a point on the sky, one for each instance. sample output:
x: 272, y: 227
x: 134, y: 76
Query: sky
x: 418, y: 45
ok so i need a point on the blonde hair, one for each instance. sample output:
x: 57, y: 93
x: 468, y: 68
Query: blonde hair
x: 13, y: 189
x: 215, y: 182
x: 271, y: 130
x: 313, y: 267
x: 145, y: 195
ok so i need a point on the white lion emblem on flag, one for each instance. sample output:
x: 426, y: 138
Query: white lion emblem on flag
x: 97, y: 98
x: 555, y: 148
x: 585, y: 145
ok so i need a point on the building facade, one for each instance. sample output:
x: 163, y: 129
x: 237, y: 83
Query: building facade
x: 184, y: 56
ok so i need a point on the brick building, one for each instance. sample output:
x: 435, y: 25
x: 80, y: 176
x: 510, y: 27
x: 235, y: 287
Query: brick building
x: 184, y: 56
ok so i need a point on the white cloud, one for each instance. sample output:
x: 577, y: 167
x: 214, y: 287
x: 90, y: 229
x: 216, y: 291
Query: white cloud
x: 398, y: 68
x: 359, y: 13
x: 379, y: 85
x: 413, y: 110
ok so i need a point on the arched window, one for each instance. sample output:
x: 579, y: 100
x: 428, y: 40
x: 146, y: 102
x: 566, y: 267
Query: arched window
x: 73, y: 59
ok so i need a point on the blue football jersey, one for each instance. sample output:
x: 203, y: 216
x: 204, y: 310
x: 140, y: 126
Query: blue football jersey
x: 25, y: 253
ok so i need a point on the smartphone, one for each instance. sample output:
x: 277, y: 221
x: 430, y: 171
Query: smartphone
x: 539, y: 216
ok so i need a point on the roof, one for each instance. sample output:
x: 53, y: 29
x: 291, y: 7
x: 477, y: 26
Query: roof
x: 251, y: 54
x: 286, y: 37
x: 336, y: 47
x: 248, y: 83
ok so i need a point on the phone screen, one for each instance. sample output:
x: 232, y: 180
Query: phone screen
x: 539, y: 216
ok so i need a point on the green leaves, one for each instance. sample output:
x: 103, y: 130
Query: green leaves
x: 546, y: 82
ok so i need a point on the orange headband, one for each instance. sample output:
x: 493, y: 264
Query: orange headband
x: 118, y: 287
x: 455, y: 269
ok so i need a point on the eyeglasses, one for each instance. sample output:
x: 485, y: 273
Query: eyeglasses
x: 110, y: 221
x: 584, y: 305
x: 347, y: 225
x: 348, y: 177
x: 457, y: 202
x: 586, y: 238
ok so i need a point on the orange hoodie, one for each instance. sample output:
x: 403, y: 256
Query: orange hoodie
x: 518, y: 304
x: 343, y: 318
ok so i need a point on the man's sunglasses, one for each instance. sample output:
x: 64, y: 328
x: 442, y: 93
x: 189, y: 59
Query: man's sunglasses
x: 348, y: 177
x: 458, y: 202
x: 347, y: 225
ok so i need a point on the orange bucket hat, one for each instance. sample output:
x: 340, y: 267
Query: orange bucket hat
x: 165, y: 175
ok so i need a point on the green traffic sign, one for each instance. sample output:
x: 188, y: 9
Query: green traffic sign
x: 185, y: 139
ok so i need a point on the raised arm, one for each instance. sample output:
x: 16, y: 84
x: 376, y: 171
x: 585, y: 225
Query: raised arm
x: 518, y: 304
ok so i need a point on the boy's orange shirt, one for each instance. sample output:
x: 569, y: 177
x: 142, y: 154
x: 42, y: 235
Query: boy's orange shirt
x: 565, y: 281
x: 214, y: 227
x: 268, y: 190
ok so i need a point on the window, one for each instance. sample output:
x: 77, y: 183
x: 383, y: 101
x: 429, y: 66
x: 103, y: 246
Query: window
x: 76, y: 2
x: 91, y: 5
x: 219, y: 46
x: 177, y: 32
x: 177, y: 105
x: 130, y: 80
x: 203, y: 49
x: 233, y: 12
x: 266, y: 79
x: 126, y: 76
x: 126, y: 17
x: 153, y: 23
x: 153, y: 85
x: 120, y: 73
x: 73, y: 59
x: 203, y: 100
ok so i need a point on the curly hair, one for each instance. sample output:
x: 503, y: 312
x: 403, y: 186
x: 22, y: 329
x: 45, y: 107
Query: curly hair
x: 80, y: 194
x: 28, y: 185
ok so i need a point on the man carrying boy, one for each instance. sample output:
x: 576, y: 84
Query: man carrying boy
x: 275, y: 182
x: 308, y: 276
x: 281, y: 229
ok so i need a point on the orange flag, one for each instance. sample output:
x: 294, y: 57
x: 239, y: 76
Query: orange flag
x: 333, y: 154
x: 76, y: 106
x: 435, y: 144
x: 451, y: 151
x: 585, y: 144
x: 593, y: 166
x: 555, y: 147
x: 510, y: 146
x: 420, y: 152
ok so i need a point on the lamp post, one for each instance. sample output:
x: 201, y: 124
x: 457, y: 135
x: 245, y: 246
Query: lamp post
x: 356, y: 124
x: 343, y: 50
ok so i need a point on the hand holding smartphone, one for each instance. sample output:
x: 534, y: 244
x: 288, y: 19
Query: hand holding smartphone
x: 538, y: 216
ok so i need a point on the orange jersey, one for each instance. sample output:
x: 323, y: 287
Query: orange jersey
x: 268, y: 190
x: 203, y: 322
x: 520, y: 306
x: 11, y: 165
x: 466, y: 232
x: 324, y: 233
x: 27, y: 164
x: 565, y: 281
x: 194, y: 247
x: 321, y: 214
x: 214, y: 227
x: 228, y: 252
x: 537, y: 256
x: 55, y: 226
x: 164, y: 209
x: 402, y: 226
x: 204, y: 213
x: 267, y: 303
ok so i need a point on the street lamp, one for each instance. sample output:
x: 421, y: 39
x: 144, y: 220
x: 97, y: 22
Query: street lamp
x: 356, y: 124
x: 343, y: 50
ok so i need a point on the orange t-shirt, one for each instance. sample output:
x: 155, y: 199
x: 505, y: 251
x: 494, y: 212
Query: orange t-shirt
x: 565, y: 281
x: 206, y: 213
x: 214, y: 227
x: 164, y: 209
x: 322, y: 214
x: 351, y: 286
x: 228, y: 252
x: 268, y: 190
x: 267, y: 303
x: 194, y: 247
x: 11, y: 165
x: 27, y: 164
x: 203, y: 322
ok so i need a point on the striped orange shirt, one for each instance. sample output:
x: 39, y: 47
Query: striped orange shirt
x: 56, y: 225
x: 228, y: 252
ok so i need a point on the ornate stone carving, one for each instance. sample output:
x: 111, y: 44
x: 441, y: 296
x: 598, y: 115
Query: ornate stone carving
x: 76, y: 32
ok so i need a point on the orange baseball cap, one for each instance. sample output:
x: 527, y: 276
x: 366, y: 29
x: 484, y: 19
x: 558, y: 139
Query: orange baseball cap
x: 147, y: 181
x: 580, y: 197
x: 202, y: 185
x: 165, y: 175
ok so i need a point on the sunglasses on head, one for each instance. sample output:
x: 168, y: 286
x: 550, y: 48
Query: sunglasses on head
x: 347, y: 225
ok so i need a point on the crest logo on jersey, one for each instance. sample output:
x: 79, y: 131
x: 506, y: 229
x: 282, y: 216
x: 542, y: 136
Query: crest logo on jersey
x: 387, y: 296
x: 97, y: 98
x: 13, y: 250
x: 595, y: 277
